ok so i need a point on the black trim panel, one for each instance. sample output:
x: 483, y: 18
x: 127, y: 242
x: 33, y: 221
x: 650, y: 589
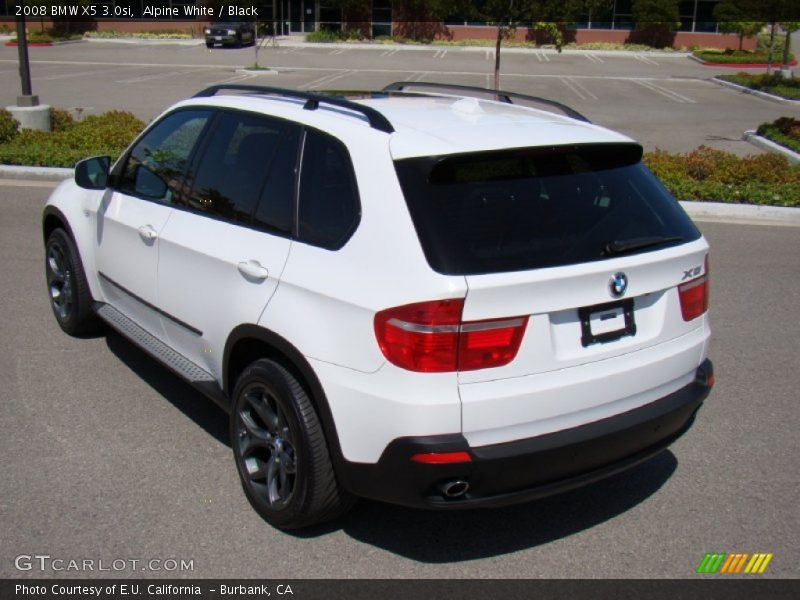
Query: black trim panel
x: 175, y: 320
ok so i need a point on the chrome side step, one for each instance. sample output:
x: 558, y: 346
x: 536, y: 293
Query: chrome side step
x: 198, y: 377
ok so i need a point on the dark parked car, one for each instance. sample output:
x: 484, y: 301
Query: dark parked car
x: 230, y: 33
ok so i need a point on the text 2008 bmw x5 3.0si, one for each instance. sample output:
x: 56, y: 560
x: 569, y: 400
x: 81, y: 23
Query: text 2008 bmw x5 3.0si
x: 437, y: 296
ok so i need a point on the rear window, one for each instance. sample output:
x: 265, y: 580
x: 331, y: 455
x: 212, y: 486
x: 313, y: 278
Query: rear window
x: 531, y: 208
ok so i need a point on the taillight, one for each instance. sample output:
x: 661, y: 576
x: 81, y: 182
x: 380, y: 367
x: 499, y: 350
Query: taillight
x: 694, y: 296
x: 430, y: 337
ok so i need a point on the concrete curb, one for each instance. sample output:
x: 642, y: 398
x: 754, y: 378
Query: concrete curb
x: 505, y: 50
x: 36, y: 173
x: 743, y: 213
x: 760, y: 94
x: 291, y: 43
x: 700, y: 211
x: 770, y: 146
x: 146, y: 42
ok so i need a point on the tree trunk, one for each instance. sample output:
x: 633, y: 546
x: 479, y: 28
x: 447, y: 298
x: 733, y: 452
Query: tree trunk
x: 771, y: 47
x: 786, y: 46
x: 497, y: 57
x: 741, y: 41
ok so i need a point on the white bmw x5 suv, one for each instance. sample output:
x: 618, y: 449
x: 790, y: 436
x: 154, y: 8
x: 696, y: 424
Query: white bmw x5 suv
x: 436, y: 296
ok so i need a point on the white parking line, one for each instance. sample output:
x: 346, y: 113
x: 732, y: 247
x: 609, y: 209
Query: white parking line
x: 67, y: 75
x: 440, y: 53
x: 593, y: 58
x: 339, y: 51
x: 235, y: 78
x: 323, y: 80
x: 583, y: 88
x: 674, y: 96
x: 288, y: 51
x: 489, y: 55
x: 390, y: 52
x: 644, y: 59
x: 573, y: 88
x: 167, y: 75
x: 544, y: 55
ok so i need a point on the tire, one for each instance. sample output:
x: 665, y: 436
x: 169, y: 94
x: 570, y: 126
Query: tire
x: 280, y: 450
x: 69, y: 293
x: 209, y: 44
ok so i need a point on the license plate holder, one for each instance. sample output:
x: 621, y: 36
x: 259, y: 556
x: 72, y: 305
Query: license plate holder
x: 607, y: 322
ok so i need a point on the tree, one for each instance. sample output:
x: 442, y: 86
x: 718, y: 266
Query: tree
x: 789, y: 27
x: 733, y: 18
x: 655, y: 21
x: 548, y: 15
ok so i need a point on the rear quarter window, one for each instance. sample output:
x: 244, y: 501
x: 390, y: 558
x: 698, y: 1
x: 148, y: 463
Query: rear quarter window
x: 533, y: 208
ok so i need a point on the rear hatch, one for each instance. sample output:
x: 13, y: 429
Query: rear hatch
x: 582, y: 240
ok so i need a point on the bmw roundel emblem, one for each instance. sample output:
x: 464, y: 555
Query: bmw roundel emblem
x: 618, y: 284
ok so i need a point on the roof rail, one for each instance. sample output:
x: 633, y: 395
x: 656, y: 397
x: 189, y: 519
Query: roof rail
x: 376, y: 119
x: 499, y: 95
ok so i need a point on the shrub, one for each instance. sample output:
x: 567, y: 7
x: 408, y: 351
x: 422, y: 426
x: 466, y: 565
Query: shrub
x: 325, y: 36
x: 710, y: 174
x: 738, y: 57
x: 60, y: 119
x: 8, y: 126
x: 784, y: 131
x: 773, y: 84
x: 108, y: 133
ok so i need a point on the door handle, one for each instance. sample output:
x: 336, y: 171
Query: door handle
x: 252, y: 270
x: 147, y: 233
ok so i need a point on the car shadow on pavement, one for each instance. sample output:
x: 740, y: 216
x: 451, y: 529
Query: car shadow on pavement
x: 454, y: 536
x: 211, y: 418
x: 434, y: 536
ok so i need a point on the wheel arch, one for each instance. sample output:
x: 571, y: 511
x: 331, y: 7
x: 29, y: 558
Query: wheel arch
x: 52, y: 219
x: 247, y: 343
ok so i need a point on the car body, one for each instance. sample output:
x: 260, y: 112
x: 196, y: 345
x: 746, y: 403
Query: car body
x: 442, y: 301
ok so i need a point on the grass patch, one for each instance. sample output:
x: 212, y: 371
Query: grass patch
x: 784, y: 131
x: 714, y: 175
x: 70, y: 141
x: 738, y: 57
x: 772, y: 84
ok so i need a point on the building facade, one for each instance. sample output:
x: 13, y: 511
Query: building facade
x: 698, y: 27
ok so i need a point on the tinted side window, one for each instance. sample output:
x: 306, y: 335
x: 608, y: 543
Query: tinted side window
x: 156, y: 164
x: 230, y: 177
x: 329, y: 209
x: 276, y: 203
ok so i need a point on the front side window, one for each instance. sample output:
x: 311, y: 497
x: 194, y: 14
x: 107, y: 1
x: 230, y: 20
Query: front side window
x: 157, y: 163
x: 329, y: 208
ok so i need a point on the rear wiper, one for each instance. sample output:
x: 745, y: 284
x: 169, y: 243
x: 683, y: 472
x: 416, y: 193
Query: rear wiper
x: 622, y: 246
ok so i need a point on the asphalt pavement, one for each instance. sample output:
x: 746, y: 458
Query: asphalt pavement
x: 107, y: 456
x: 663, y: 101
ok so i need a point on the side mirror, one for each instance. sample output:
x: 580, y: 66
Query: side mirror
x: 92, y: 173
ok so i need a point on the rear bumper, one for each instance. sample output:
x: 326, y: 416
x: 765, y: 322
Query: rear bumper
x: 523, y: 470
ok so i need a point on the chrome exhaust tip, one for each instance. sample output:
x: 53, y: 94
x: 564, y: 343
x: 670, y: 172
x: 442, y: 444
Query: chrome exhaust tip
x: 455, y: 489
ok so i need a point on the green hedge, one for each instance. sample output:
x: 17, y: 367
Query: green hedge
x: 95, y: 135
x: 784, y: 131
x: 710, y: 174
x: 773, y: 84
x: 739, y: 57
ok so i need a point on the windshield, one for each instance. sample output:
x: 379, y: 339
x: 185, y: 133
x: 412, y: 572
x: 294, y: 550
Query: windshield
x: 532, y: 208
